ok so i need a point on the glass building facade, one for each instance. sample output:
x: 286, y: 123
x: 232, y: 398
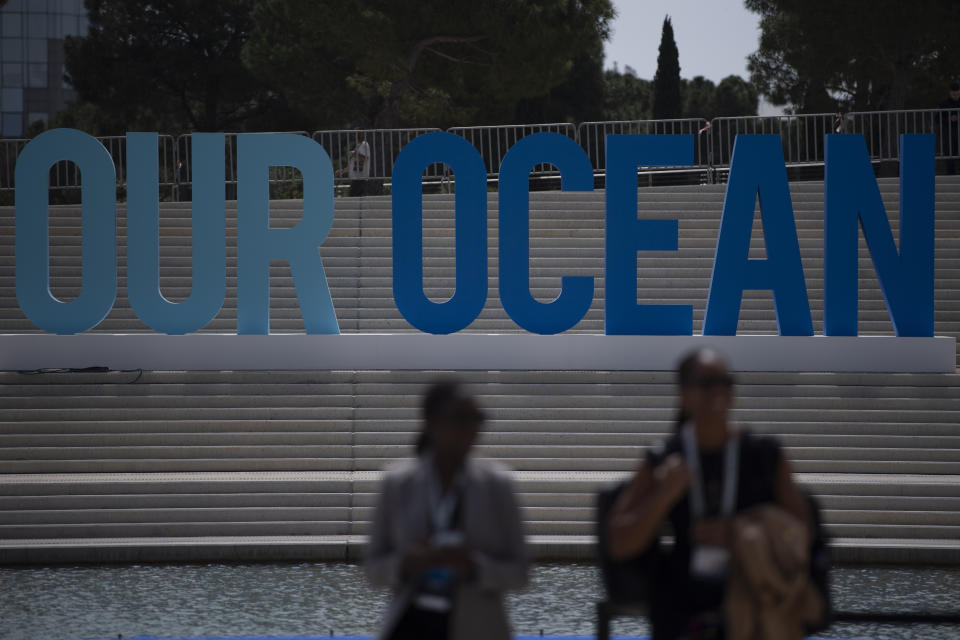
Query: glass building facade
x: 32, y: 85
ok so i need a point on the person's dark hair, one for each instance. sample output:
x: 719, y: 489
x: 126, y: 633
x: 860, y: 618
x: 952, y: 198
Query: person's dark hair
x: 955, y: 86
x: 685, y: 375
x: 441, y: 401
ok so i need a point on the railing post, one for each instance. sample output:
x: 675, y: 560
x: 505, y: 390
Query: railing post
x: 711, y: 171
x: 176, y: 169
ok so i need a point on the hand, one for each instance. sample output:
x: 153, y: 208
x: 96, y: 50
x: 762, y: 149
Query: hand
x: 423, y: 557
x: 673, y: 475
x: 458, y: 559
x: 711, y: 532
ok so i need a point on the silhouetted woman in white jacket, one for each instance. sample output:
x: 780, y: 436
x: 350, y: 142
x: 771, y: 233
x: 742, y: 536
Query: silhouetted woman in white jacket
x: 446, y: 534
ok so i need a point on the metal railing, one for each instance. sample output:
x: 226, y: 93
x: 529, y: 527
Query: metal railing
x: 882, y: 130
x: 802, y: 137
x: 593, y: 135
x: 9, y: 152
x: 66, y: 175
x: 493, y: 142
x: 385, y: 146
x: 184, y: 171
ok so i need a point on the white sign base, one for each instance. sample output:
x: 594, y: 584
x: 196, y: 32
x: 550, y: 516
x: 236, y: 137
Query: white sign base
x: 469, y: 351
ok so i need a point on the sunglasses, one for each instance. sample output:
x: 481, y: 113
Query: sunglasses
x: 713, y: 382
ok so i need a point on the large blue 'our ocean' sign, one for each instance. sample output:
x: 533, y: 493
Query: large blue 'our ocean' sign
x: 852, y: 201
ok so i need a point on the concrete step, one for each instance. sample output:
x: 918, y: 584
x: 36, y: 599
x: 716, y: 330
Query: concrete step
x: 293, y: 464
x: 623, y: 387
x: 163, y: 529
x: 297, y: 453
x: 364, y: 483
x: 134, y: 502
x: 24, y: 444
x: 533, y: 527
x: 131, y: 397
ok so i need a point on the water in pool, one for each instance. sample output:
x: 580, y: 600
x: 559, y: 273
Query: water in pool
x: 320, y: 599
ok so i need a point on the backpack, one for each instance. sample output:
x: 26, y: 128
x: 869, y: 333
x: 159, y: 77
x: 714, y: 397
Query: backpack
x: 629, y: 581
x: 820, y: 566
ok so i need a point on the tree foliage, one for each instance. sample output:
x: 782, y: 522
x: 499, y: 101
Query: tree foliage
x: 579, y: 98
x: 178, y: 65
x: 735, y: 96
x: 821, y: 56
x: 626, y: 97
x: 168, y: 64
x: 387, y: 64
x: 698, y: 97
x: 667, y: 99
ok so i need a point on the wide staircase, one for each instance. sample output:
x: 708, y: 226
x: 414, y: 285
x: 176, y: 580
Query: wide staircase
x: 205, y: 465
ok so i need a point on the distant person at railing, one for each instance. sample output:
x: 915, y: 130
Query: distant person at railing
x: 446, y: 534
x: 358, y: 166
x: 727, y: 494
x: 950, y: 128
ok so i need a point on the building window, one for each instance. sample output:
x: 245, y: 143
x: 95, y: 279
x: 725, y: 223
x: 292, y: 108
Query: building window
x: 37, y: 25
x: 69, y: 25
x: 11, y: 24
x: 12, y: 125
x: 38, y: 115
x: 53, y: 27
x: 37, y: 76
x: 12, y: 74
x: 12, y: 50
x: 11, y: 99
x: 36, y: 50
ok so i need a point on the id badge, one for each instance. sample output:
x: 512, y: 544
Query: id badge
x: 447, y: 539
x: 709, y: 562
x: 436, y: 591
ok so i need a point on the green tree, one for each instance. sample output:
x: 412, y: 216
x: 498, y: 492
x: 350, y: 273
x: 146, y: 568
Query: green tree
x: 667, y: 101
x: 626, y: 97
x: 698, y: 98
x: 172, y: 65
x: 387, y: 64
x: 735, y: 96
x: 821, y: 56
x: 579, y: 98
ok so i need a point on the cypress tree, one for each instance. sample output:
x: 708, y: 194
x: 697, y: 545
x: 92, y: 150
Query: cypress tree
x: 667, y: 98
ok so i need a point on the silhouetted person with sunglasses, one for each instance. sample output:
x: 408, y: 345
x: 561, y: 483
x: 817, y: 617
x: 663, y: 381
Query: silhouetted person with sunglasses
x: 446, y: 535
x: 707, y: 471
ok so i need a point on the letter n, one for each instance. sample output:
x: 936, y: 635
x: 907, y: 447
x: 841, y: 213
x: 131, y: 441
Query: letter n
x: 852, y: 195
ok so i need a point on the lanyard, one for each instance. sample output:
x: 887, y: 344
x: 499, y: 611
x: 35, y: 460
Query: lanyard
x: 443, y: 506
x: 731, y: 460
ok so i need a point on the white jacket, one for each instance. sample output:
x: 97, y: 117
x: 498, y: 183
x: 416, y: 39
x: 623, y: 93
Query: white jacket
x: 491, y: 524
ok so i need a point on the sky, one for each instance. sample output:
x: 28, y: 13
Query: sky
x: 714, y: 37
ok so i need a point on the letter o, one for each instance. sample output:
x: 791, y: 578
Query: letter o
x: 471, y: 233
x: 98, y: 231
